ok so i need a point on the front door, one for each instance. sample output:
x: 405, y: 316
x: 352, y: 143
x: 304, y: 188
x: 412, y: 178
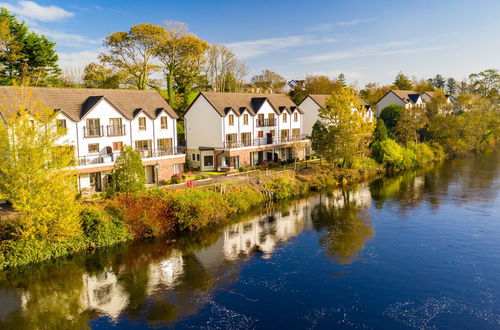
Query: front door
x: 95, y: 181
x: 269, y: 138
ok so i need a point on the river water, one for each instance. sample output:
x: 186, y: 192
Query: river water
x: 415, y: 251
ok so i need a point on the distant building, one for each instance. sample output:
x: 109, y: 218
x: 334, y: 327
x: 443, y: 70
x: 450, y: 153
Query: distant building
x: 407, y: 99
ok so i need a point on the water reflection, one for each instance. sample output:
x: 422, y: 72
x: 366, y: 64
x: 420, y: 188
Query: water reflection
x: 165, y: 281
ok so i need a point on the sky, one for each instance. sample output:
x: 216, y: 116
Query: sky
x: 368, y: 41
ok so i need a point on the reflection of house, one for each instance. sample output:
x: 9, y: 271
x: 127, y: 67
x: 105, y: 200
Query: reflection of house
x: 98, y: 122
x: 11, y: 300
x: 104, y: 294
x: 407, y: 99
x: 313, y: 102
x: 228, y: 130
x: 165, y: 272
x: 361, y: 196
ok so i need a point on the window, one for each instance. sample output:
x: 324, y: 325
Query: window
x: 296, y: 133
x: 165, y: 146
x: 295, y: 117
x: 284, y: 117
x: 142, y: 123
x: 231, y: 140
x: 245, y: 119
x: 61, y: 123
x: 93, y: 128
x: 260, y: 119
x: 193, y: 157
x: 117, y: 146
x: 270, y: 118
x: 208, y: 160
x: 260, y: 134
x: 144, y: 147
x: 246, y: 139
x: 284, y: 135
x: 93, y: 148
x: 164, y: 122
x: 231, y: 120
x: 197, y: 157
x: 115, y: 127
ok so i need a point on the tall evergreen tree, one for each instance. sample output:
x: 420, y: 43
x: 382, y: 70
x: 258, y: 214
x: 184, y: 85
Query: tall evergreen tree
x: 402, y: 82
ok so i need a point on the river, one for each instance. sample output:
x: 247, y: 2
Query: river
x: 415, y: 251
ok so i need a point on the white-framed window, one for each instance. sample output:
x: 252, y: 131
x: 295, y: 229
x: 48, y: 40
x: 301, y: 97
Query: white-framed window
x: 193, y: 157
x: 284, y: 117
x: 142, y: 123
x: 295, y: 117
x: 93, y: 148
x: 231, y: 120
x: 164, y: 122
x: 245, y: 119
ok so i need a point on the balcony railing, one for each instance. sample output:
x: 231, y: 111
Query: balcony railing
x: 116, y: 130
x: 264, y: 141
x: 89, y: 132
x: 266, y: 122
x: 111, y: 157
x: 150, y: 153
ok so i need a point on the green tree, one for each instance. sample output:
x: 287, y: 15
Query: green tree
x: 182, y: 57
x: 26, y: 58
x: 348, y: 132
x: 269, y: 80
x: 313, y: 84
x: 341, y: 79
x: 422, y: 85
x: 451, y: 86
x: 402, y: 82
x: 35, y: 170
x: 409, y: 123
x: 438, y: 81
x: 390, y: 115
x: 486, y: 84
x: 128, y: 175
x: 97, y: 75
x: 133, y: 53
x: 373, y: 92
x: 319, y: 136
x: 380, y: 133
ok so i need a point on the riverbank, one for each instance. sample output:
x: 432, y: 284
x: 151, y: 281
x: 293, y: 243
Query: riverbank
x: 157, y: 212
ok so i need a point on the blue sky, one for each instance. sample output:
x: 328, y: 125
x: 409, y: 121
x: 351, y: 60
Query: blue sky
x: 366, y: 40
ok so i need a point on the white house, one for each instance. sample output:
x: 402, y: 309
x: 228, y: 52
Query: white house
x: 99, y: 122
x: 227, y: 130
x: 407, y: 99
x: 428, y: 96
x: 311, y: 105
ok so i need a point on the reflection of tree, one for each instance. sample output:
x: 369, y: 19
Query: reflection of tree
x: 346, y: 231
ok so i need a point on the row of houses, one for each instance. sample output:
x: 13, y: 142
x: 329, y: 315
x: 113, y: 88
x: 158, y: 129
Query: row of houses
x: 223, y: 131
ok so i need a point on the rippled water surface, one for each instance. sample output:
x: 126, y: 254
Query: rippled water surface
x: 421, y: 250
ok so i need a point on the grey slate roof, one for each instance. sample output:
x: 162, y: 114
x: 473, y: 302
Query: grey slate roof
x: 76, y: 102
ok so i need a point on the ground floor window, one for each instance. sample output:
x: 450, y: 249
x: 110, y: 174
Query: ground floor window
x: 177, y: 168
x: 208, y: 160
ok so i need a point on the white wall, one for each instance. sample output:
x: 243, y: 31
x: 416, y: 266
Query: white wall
x: 203, y: 125
x: 310, y: 116
x: 388, y: 99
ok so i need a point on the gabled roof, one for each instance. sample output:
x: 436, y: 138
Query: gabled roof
x: 405, y: 96
x: 76, y: 102
x: 246, y: 101
x: 450, y: 97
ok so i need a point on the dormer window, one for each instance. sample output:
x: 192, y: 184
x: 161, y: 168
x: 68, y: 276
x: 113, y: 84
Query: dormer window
x: 164, y: 122
x: 142, y: 123
x: 231, y: 120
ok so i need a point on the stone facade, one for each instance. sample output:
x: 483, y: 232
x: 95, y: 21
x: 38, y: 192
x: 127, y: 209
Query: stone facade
x: 166, y: 166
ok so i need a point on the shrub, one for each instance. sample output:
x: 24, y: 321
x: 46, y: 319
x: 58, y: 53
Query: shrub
x: 101, y: 229
x: 284, y: 187
x: 393, y: 155
x: 243, y: 169
x: 176, y: 178
x: 242, y: 198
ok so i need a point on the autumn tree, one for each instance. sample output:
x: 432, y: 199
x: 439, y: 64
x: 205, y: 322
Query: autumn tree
x: 133, y: 53
x: 402, y: 82
x: 373, y: 92
x: 410, y: 121
x: 348, y: 133
x: 182, y: 57
x: 96, y: 75
x: 486, y: 84
x: 269, y: 80
x: 35, y: 169
x: 128, y: 174
x: 26, y: 58
x: 422, y: 85
x: 313, y: 84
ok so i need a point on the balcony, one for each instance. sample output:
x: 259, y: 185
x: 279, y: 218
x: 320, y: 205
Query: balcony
x: 264, y: 141
x: 266, y: 122
x: 162, y: 152
x: 90, y: 132
x: 97, y: 159
x: 115, y: 130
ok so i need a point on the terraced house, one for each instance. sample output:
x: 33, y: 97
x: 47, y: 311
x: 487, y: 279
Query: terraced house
x: 225, y: 131
x: 99, y: 122
x: 407, y: 99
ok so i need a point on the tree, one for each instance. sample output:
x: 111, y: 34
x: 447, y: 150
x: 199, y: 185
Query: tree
x: 35, y: 170
x: 224, y: 71
x: 26, y: 58
x: 422, y: 85
x: 269, y: 80
x: 373, y: 92
x: 380, y: 133
x: 390, y: 115
x: 486, y: 84
x: 341, y: 79
x: 97, y: 75
x: 128, y: 175
x: 133, y: 53
x: 409, y: 123
x: 319, y: 136
x: 402, y: 82
x: 314, y: 84
x: 182, y: 55
x: 451, y: 86
x: 438, y: 81
x: 348, y: 132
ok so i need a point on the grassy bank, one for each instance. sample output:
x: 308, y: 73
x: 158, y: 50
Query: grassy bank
x: 157, y: 212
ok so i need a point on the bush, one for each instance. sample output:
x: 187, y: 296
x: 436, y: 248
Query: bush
x: 176, y: 178
x: 242, y: 198
x: 244, y: 169
x: 284, y: 187
x: 393, y: 155
x: 101, y: 229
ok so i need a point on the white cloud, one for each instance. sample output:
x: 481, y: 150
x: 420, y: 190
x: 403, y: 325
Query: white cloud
x: 253, y: 48
x: 77, y: 59
x: 34, y: 11
x: 67, y: 39
x: 329, y: 26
